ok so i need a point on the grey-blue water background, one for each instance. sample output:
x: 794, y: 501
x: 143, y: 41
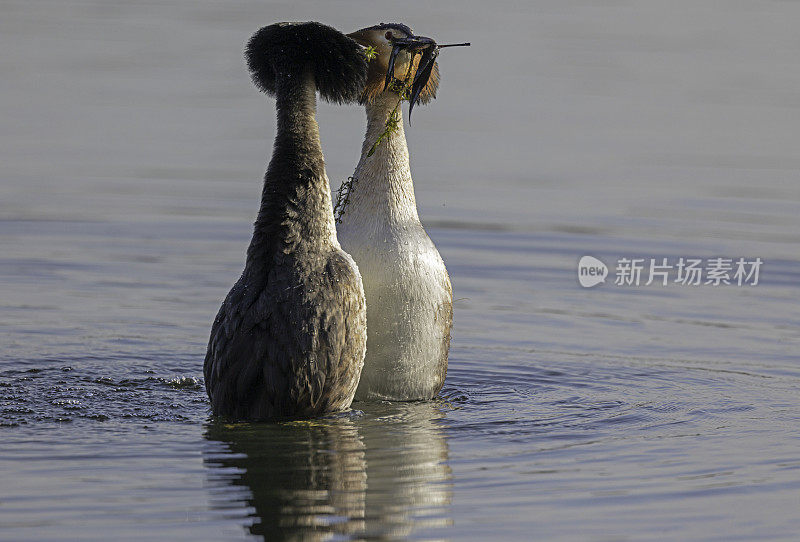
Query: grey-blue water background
x: 132, y: 149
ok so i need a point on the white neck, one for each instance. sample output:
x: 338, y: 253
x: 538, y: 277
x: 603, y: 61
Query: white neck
x: 382, y: 182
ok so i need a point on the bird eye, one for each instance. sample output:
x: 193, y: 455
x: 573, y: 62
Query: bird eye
x: 389, y: 35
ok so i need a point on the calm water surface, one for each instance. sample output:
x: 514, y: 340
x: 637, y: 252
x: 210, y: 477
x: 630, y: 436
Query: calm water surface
x: 131, y: 154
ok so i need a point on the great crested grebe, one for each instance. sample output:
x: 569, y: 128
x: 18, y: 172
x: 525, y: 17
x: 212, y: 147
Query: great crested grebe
x: 289, y: 339
x: 409, y: 296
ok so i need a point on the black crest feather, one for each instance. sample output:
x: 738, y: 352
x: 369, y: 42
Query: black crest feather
x: 284, y: 49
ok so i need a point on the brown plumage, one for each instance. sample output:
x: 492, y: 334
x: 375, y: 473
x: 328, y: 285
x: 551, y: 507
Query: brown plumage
x: 289, y: 339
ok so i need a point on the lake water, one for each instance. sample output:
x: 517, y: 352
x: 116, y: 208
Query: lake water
x: 132, y: 148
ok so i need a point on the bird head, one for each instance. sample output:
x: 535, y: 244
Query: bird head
x: 282, y: 51
x: 399, y: 58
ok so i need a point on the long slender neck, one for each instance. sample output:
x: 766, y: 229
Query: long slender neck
x: 383, y: 182
x: 296, y: 212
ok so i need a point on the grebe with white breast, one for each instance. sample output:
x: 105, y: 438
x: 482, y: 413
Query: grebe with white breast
x: 408, y: 291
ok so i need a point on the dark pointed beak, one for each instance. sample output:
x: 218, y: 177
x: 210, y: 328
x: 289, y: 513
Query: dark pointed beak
x: 411, y: 44
x: 414, y: 44
x: 430, y: 50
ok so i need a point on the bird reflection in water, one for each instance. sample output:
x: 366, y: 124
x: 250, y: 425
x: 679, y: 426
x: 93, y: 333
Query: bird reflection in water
x: 380, y: 475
